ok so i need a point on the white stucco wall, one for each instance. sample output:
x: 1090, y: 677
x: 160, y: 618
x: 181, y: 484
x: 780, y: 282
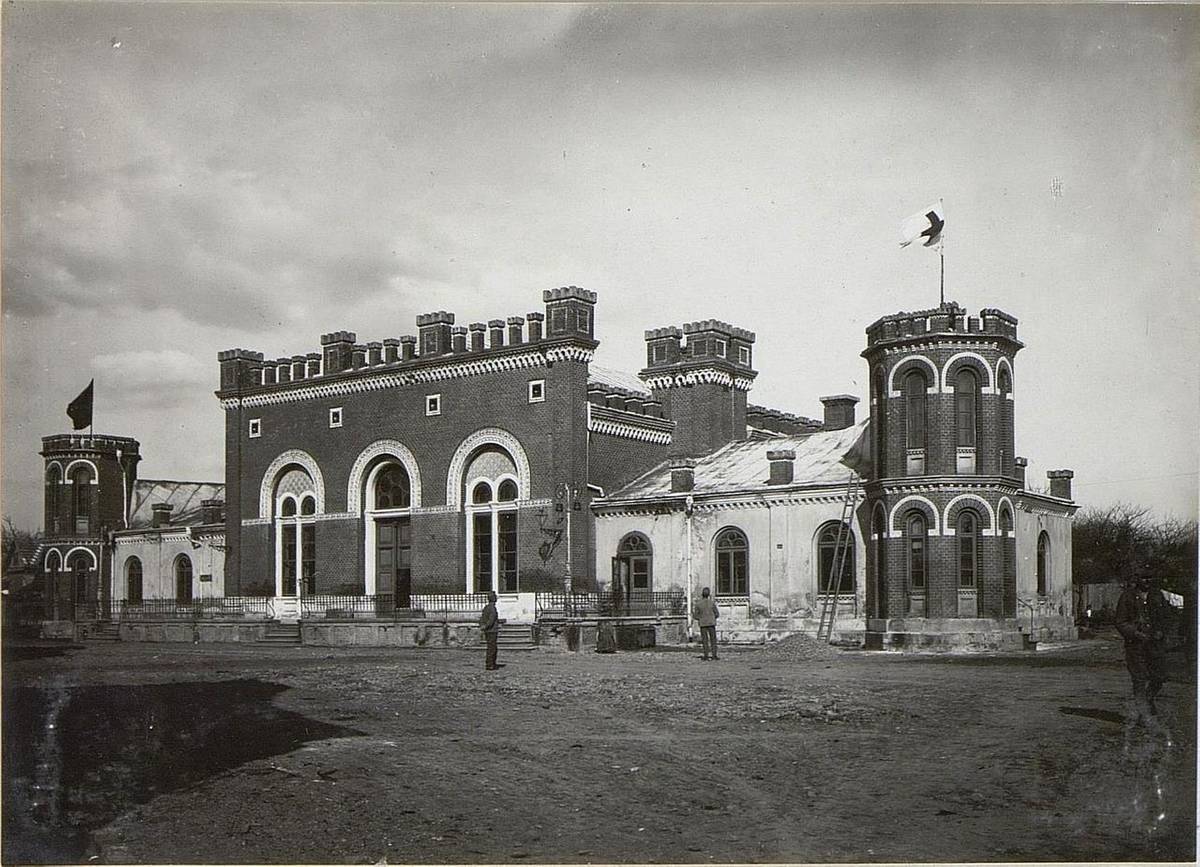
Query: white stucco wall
x: 1031, y: 518
x: 782, y: 540
x: 158, y: 552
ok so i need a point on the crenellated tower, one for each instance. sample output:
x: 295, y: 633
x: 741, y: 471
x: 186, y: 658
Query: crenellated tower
x: 89, y: 483
x: 701, y: 382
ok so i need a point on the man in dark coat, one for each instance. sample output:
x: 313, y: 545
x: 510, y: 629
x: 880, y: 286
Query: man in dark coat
x: 489, y: 622
x: 706, y: 614
x: 1141, y: 620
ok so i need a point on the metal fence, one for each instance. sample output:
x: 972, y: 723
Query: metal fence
x: 232, y: 607
x: 635, y: 603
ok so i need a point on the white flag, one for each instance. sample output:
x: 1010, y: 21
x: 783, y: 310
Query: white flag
x: 927, y: 224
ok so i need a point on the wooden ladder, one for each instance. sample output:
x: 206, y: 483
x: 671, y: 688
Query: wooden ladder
x: 841, y: 551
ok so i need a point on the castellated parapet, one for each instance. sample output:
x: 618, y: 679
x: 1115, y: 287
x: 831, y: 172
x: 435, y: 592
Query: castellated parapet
x: 568, y: 317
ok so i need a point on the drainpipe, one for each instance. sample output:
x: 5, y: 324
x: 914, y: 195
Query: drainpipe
x: 688, y: 504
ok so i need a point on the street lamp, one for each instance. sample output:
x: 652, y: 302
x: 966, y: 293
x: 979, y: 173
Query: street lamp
x: 568, y: 500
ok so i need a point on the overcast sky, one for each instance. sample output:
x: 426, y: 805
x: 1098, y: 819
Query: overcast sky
x: 181, y: 179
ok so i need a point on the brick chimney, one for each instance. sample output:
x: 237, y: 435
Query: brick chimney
x: 534, y: 324
x: 212, y: 511
x: 783, y: 466
x: 495, y: 333
x: 1019, y: 465
x: 160, y: 514
x: 683, y: 475
x: 514, y: 329
x: 1060, y: 483
x: 839, y: 411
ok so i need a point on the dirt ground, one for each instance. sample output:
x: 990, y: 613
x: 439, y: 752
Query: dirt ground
x: 126, y: 753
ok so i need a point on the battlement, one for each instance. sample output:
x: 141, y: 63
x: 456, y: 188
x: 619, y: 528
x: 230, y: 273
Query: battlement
x: 707, y: 340
x: 568, y: 308
x: 564, y: 293
x: 947, y: 319
x: 777, y: 421
x: 57, y: 445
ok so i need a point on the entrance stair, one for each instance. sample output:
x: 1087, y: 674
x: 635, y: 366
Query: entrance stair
x: 515, y: 637
x: 103, y: 630
x: 281, y: 634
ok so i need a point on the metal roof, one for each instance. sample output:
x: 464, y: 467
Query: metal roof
x: 184, y: 497
x: 616, y: 379
x: 822, y: 458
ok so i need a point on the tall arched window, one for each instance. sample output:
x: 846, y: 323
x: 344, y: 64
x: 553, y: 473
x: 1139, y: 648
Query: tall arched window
x: 53, y: 483
x: 81, y: 499
x: 967, y: 534
x: 733, y: 563
x: 133, y: 581
x: 878, y: 530
x: 827, y: 559
x: 879, y: 423
x: 914, y: 538
x: 914, y: 409
x: 1007, y: 571
x: 79, y: 565
x: 183, y: 580
x: 966, y: 405
x: 491, y: 497
x: 295, y: 526
x: 1043, y: 562
x: 1004, y: 384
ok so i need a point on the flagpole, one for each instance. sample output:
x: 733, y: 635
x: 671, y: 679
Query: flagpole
x: 942, y: 256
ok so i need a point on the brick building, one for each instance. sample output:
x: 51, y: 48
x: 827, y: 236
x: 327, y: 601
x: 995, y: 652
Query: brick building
x: 947, y: 545
x: 113, y: 539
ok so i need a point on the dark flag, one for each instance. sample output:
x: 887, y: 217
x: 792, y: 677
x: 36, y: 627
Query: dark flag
x: 80, y: 409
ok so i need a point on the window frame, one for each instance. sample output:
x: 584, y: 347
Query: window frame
x: 433, y: 404
x: 967, y: 544
x: 916, y: 397
x: 966, y: 403
x: 914, y: 557
x: 536, y: 391
x: 726, y: 561
x: 254, y: 428
x: 824, y: 544
x: 744, y: 355
x: 336, y: 416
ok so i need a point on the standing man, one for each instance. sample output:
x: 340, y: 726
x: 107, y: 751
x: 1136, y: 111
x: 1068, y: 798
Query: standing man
x: 1139, y: 620
x: 489, y: 622
x: 706, y: 614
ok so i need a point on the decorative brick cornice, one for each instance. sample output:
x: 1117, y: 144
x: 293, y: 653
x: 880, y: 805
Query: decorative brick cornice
x: 629, y: 425
x: 701, y: 376
x: 367, y: 380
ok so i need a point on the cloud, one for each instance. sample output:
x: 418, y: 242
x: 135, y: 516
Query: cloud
x: 152, y: 379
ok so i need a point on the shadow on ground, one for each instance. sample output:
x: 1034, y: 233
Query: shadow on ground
x: 76, y: 757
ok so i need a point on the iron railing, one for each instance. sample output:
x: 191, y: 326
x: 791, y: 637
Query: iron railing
x: 635, y: 603
x: 444, y: 602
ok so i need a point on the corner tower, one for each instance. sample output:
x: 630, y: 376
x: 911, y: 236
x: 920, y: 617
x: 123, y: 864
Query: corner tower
x: 944, y: 475
x: 88, y: 485
x: 701, y: 384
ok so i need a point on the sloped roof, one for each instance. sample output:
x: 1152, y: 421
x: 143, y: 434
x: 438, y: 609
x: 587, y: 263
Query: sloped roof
x: 742, y: 466
x: 616, y: 379
x: 184, y: 497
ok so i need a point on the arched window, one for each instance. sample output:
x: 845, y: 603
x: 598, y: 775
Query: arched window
x: 827, y: 558
x: 733, y: 563
x: 914, y: 538
x: 1004, y: 383
x: 1006, y: 563
x: 879, y: 530
x: 507, y: 492
x: 1043, y: 562
x: 632, y: 567
x: 392, y: 489
x: 491, y: 484
x: 967, y: 534
x: 133, y: 581
x: 914, y: 409
x: 183, y: 580
x: 79, y: 565
x: 879, y: 423
x: 295, y: 533
x: 53, y: 483
x: 966, y: 404
x: 81, y: 499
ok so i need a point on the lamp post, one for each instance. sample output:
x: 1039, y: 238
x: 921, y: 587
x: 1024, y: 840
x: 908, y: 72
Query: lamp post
x: 568, y: 496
